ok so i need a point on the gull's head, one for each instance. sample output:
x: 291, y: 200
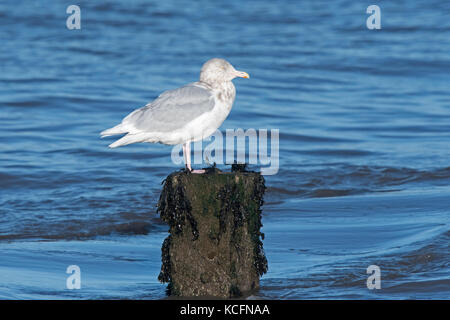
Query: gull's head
x: 219, y: 70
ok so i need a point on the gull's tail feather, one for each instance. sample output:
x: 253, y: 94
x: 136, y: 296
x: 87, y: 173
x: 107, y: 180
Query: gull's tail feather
x: 129, y: 139
x: 119, y: 129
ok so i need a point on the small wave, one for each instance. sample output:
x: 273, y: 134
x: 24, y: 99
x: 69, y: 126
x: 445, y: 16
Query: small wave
x: 11, y: 181
x: 337, y: 153
x: 36, y: 80
x: 25, y: 103
x: 78, y: 231
x: 423, y: 268
x: 92, y: 51
x: 326, y: 193
x: 313, y: 139
x: 343, y: 180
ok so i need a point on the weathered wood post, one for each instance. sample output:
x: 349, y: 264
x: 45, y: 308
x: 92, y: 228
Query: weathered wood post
x: 215, y: 245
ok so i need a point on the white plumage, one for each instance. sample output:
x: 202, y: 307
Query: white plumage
x: 183, y: 115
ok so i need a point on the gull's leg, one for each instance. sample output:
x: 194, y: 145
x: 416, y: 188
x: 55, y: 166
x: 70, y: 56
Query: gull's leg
x: 187, y: 156
x: 188, y: 159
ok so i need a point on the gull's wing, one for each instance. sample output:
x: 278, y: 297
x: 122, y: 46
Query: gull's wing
x: 172, y: 110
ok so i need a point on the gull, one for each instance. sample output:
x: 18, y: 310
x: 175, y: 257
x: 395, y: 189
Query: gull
x: 183, y: 115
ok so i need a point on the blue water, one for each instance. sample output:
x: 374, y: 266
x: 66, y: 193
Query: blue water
x: 364, y: 120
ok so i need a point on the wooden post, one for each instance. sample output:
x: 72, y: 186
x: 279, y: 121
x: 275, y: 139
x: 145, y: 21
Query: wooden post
x: 215, y: 245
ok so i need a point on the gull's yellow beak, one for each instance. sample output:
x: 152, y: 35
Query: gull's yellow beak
x: 242, y: 74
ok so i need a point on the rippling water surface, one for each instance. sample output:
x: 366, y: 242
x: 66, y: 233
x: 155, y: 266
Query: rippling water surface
x: 364, y: 119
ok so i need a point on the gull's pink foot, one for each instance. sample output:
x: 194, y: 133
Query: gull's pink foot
x: 195, y: 171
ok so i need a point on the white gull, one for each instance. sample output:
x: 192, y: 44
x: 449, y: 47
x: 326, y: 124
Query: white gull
x: 184, y: 115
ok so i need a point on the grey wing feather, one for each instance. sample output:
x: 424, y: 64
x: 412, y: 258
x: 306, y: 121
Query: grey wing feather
x: 172, y: 110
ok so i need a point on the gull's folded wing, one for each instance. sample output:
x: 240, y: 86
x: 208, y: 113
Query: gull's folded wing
x: 172, y: 110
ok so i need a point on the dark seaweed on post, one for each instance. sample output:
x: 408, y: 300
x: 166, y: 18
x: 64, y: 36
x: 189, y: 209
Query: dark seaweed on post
x: 215, y: 244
